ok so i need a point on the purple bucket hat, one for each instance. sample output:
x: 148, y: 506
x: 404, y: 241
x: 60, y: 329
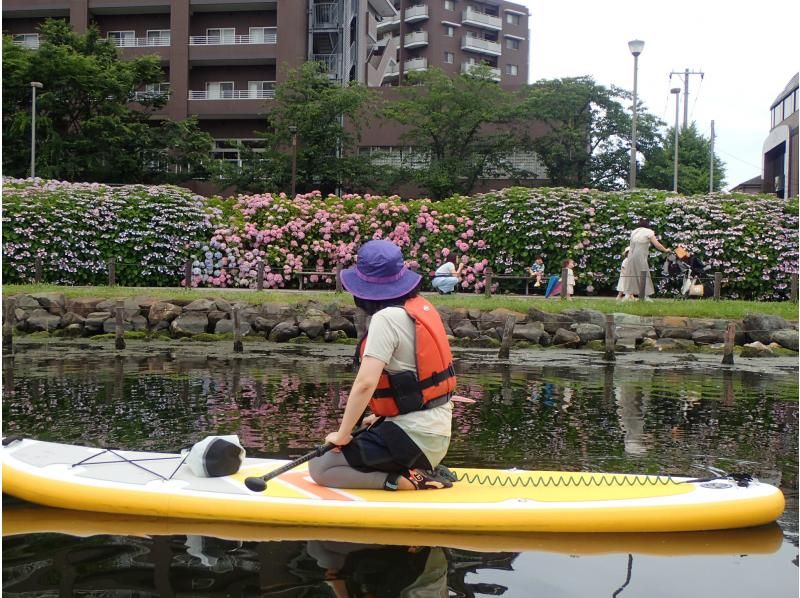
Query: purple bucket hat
x: 380, y: 273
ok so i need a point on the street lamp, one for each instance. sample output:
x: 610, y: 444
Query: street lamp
x: 676, y: 91
x: 34, y: 86
x: 293, y: 131
x: 635, y: 46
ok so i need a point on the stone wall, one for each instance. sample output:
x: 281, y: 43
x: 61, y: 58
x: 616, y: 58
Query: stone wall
x: 53, y: 313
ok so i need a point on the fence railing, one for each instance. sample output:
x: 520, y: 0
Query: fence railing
x: 270, y: 36
x: 490, y: 279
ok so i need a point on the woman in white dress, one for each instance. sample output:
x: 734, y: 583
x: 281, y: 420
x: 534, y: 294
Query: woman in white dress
x: 642, y: 238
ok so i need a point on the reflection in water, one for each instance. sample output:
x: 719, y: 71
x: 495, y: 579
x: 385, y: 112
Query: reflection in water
x: 552, y: 418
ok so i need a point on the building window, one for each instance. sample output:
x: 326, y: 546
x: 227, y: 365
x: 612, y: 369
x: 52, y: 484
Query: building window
x: 221, y: 36
x: 261, y: 89
x: 449, y: 5
x: 512, y: 19
x: 262, y: 35
x: 777, y: 114
x: 511, y: 69
x: 449, y: 31
x: 219, y: 90
x: 788, y: 106
x: 158, y: 37
x: 122, y: 39
x: 512, y: 43
x: 449, y: 58
x: 26, y: 40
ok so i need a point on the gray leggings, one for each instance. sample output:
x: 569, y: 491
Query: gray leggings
x: 333, y: 471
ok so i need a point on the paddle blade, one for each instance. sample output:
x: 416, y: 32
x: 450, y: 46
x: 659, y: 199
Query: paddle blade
x: 255, y: 484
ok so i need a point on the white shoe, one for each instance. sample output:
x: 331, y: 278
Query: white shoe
x: 647, y: 299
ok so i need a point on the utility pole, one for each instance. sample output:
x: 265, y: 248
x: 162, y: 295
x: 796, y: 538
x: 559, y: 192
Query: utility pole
x: 711, y: 168
x: 685, y: 74
x: 401, y: 51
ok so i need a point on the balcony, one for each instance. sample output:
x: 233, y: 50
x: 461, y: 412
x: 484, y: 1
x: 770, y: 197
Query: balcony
x: 415, y: 64
x: 483, y: 46
x: 480, y: 19
x: 416, y: 39
x: 140, y: 42
x: 326, y: 15
x: 270, y: 36
x: 416, y: 13
x: 388, y: 23
x: 495, y: 75
x: 233, y: 94
x: 331, y: 62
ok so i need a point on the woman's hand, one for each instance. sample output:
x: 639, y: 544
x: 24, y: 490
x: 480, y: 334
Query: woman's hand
x: 339, y: 438
x: 370, y: 420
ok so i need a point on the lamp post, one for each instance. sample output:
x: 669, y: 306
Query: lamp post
x: 635, y: 46
x: 676, y: 91
x: 293, y: 131
x: 34, y: 86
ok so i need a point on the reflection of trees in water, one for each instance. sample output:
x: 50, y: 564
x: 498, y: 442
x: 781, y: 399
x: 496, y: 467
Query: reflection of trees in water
x: 49, y: 564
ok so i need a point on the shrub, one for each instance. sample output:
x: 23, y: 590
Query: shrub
x: 76, y: 227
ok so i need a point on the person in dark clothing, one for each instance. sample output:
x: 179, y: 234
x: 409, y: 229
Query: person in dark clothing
x: 696, y: 270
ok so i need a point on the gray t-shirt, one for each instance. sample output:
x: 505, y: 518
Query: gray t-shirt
x: 392, y: 339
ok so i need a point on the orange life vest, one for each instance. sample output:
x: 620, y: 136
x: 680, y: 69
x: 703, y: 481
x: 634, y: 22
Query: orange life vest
x: 435, y: 379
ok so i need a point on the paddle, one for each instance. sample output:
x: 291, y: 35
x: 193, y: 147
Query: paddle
x: 259, y: 484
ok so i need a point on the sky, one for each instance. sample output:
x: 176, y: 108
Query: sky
x: 748, y: 52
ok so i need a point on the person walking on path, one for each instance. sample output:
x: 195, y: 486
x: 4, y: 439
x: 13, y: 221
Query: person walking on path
x: 405, y: 376
x: 642, y: 238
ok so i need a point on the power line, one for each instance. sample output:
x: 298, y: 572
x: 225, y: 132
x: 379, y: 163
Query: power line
x: 685, y: 74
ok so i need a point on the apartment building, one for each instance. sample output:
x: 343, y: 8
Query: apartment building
x: 780, y: 146
x: 223, y: 58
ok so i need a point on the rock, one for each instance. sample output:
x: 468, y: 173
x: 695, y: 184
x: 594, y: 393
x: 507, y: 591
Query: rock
x: 586, y: 316
x: 226, y: 327
x: 621, y: 319
x: 52, y: 302
x: 247, y: 313
x: 474, y: 314
x: 27, y: 303
x: 110, y: 325
x: 223, y: 306
x: 466, y: 330
x: 215, y: 316
x: 260, y: 324
x: 686, y: 345
x: 545, y: 340
x: 335, y: 336
x: 129, y: 306
x: 786, y: 338
x: 531, y: 331
x: 94, y: 321
x: 42, y: 320
x: 757, y: 349
x: 457, y: 316
x: 589, y: 332
x: 667, y: 344
x: 201, y: 305
x: 566, y: 338
x: 73, y: 330
x: 708, y: 336
x: 139, y: 322
x: 332, y: 309
x: 163, y: 312
x: 274, y: 313
x: 189, y: 323
x: 70, y: 318
x: 314, y: 326
x: 83, y: 306
x: 648, y: 344
x: 339, y: 323
x: 551, y: 322
x: 284, y: 331
x: 673, y: 327
x: 759, y: 327
x: 685, y: 333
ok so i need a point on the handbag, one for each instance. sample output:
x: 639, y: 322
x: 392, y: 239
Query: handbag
x: 696, y: 288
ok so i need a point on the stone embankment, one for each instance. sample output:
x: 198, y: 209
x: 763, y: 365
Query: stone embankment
x: 52, y: 313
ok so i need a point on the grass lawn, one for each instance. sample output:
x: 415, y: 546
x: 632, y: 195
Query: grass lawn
x: 695, y: 308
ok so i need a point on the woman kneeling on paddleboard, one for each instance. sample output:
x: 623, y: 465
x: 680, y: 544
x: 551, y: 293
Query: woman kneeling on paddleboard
x: 405, y: 375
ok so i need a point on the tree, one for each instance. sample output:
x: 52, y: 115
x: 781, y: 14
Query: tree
x: 460, y: 129
x: 589, y: 131
x: 86, y: 128
x: 694, y: 156
x: 327, y: 118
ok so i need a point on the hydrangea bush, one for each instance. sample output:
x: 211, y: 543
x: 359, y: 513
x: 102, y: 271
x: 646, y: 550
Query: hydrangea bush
x: 151, y: 231
x: 75, y: 228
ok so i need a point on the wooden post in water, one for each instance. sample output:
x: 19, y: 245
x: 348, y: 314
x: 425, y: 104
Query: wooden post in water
x: 37, y: 269
x: 564, y: 281
x: 730, y: 338
x: 9, y: 319
x: 643, y: 284
x: 508, y: 336
x: 187, y: 274
x: 119, y: 328
x: 487, y: 281
x: 793, y: 287
x: 112, y: 272
x: 717, y: 285
x: 238, y: 347
x: 300, y: 278
x: 339, y: 287
x: 611, y: 340
x: 260, y: 276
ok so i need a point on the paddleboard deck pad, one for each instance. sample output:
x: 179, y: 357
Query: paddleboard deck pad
x: 483, y: 500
